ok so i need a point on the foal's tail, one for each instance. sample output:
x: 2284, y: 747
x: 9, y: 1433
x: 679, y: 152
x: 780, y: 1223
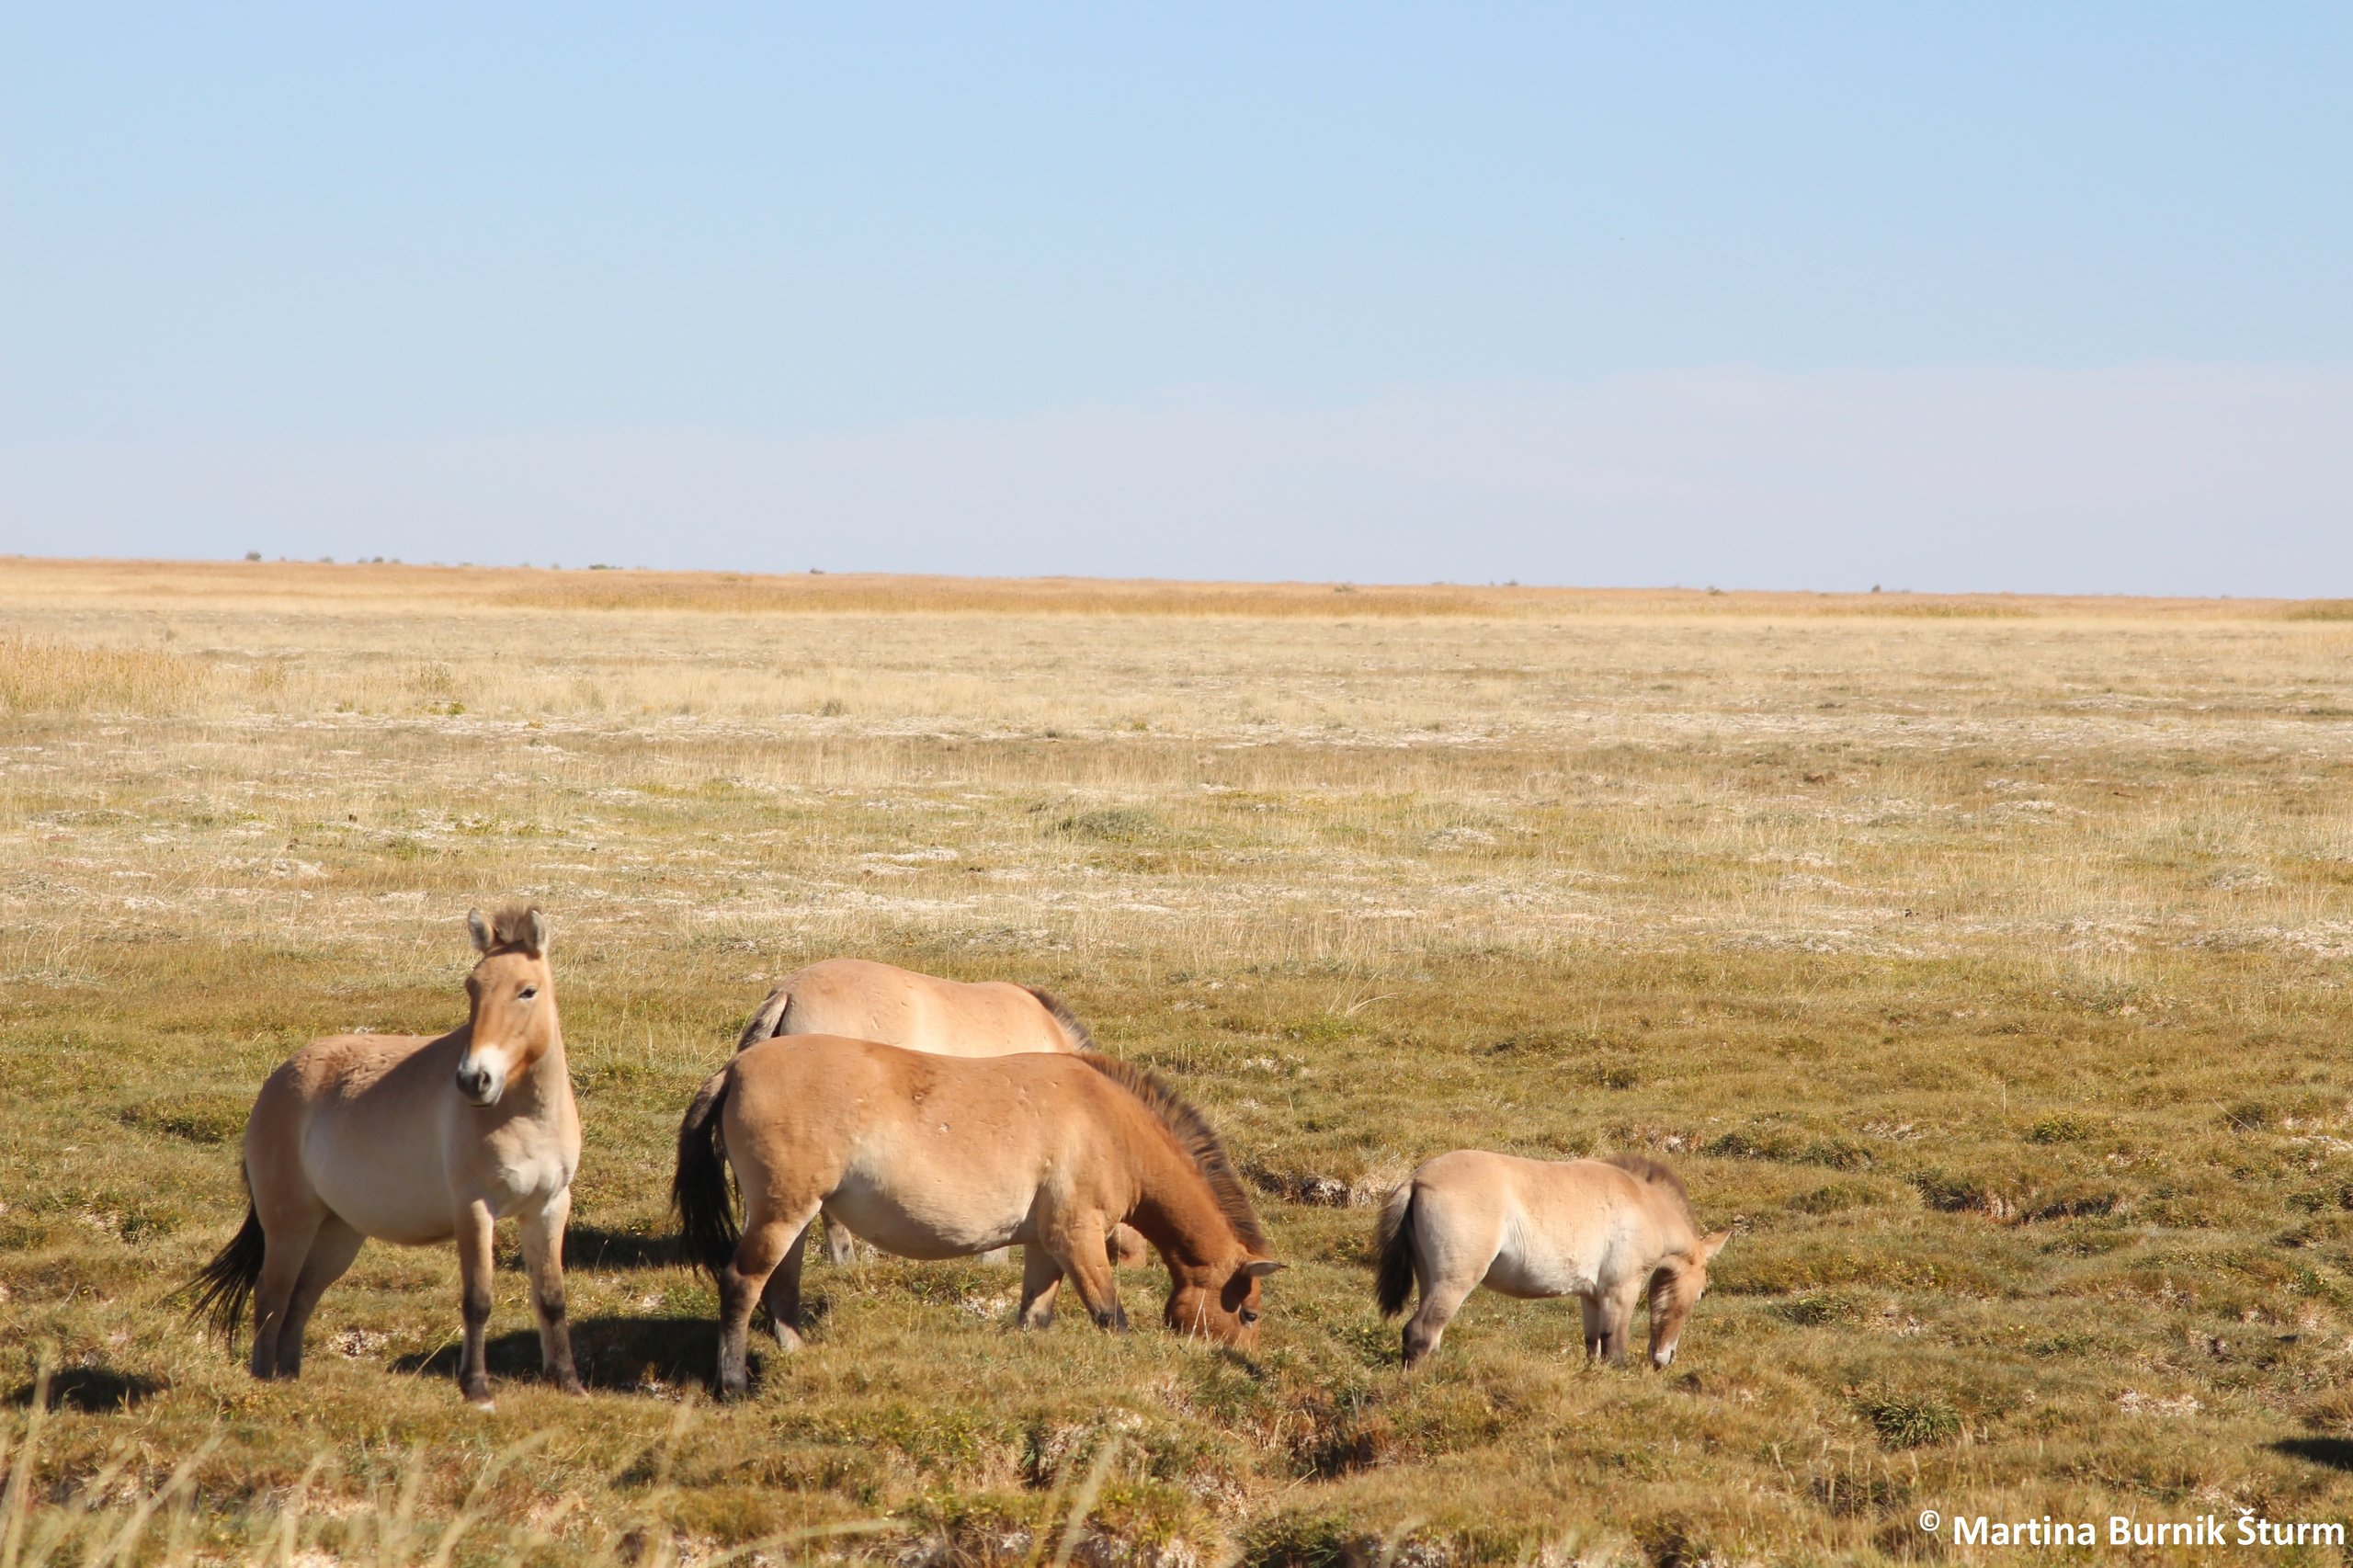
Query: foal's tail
x: 221, y: 1289
x: 698, y: 1195
x: 1392, y: 1244
x: 767, y: 1021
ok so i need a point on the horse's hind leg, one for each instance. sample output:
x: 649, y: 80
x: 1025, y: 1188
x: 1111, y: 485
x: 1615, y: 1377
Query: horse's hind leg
x: 766, y: 1238
x: 286, y: 1247
x: 1441, y: 1299
x: 1041, y: 1280
x: 543, y: 1260
x: 332, y: 1250
x: 781, y: 1296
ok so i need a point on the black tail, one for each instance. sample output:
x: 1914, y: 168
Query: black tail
x: 221, y: 1290
x: 699, y: 1195
x: 1064, y: 1017
x: 1394, y: 1247
x: 767, y: 1021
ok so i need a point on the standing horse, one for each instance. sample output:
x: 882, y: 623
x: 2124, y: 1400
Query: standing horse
x: 937, y: 1156
x: 414, y: 1140
x: 860, y: 999
x: 1608, y: 1232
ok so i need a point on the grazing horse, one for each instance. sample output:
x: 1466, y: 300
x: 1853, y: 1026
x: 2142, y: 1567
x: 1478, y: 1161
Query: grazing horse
x: 935, y: 1156
x: 1608, y: 1232
x: 414, y: 1140
x: 861, y: 999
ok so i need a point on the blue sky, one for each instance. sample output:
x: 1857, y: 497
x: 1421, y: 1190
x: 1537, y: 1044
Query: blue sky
x: 1982, y: 297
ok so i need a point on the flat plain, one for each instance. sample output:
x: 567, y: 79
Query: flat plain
x: 1981, y: 961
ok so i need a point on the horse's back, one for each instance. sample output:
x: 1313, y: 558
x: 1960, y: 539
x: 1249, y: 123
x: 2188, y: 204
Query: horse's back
x: 864, y: 999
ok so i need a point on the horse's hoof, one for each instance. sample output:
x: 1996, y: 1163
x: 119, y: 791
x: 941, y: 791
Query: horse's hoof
x: 572, y: 1385
x: 485, y: 1404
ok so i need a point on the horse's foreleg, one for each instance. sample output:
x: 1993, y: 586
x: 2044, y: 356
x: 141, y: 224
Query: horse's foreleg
x: 741, y: 1283
x: 1041, y: 1280
x: 332, y: 1250
x: 474, y: 1263
x: 1591, y: 1309
x: 782, y: 1294
x: 1085, y: 1258
x: 543, y: 1260
x: 285, y: 1248
x: 1617, y: 1323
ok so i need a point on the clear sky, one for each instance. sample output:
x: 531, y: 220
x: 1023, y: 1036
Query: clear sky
x: 1983, y: 296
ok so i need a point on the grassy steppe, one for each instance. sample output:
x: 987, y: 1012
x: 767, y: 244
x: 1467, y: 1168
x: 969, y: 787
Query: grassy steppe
x: 1983, y: 959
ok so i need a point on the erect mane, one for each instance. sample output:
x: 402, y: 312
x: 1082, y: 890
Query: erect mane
x: 1654, y: 1173
x: 1194, y: 1135
x: 1064, y: 1017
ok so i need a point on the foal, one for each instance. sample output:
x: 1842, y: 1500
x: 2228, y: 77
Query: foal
x: 1608, y: 1232
x: 414, y: 1141
x: 937, y: 1156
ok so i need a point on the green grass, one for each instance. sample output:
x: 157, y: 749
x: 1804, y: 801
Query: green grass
x: 2002, y: 1017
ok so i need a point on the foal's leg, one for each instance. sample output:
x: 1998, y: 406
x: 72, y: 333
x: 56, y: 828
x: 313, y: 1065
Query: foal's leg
x: 543, y: 1260
x: 1041, y: 1280
x: 474, y: 1263
x: 841, y: 1246
x: 766, y: 1238
x: 782, y: 1295
x: 332, y: 1250
x: 286, y: 1247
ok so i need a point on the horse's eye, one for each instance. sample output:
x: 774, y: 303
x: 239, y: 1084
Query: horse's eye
x: 1248, y: 1316
x: 526, y: 993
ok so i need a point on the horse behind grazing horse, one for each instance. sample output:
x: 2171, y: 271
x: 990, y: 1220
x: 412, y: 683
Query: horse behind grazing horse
x: 938, y: 1156
x: 860, y: 999
x: 1606, y: 1231
x: 412, y: 1139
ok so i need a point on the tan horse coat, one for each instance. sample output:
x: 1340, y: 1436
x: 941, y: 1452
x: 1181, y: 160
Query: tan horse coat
x: 945, y: 1157
x: 414, y: 1139
x: 1607, y: 1232
x: 861, y: 999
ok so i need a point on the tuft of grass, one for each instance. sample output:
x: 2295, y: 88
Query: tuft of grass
x: 1911, y: 1421
x: 40, y: 675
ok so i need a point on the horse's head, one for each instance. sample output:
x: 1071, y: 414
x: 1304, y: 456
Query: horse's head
x: 1220, y: 1300
x: 1675, y: 1288
x: 513, y: 998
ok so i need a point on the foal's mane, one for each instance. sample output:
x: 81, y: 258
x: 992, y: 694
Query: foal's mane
x: 510, y: 929
x: 1064, y: 1017
x: 1655, y: 1173
x: 1194, y: 1135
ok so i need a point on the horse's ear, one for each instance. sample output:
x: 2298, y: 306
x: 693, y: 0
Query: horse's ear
x: 535, y: 932
x: 1259, y: 1267
x: 1711, y: 1245
x: 479, y: 930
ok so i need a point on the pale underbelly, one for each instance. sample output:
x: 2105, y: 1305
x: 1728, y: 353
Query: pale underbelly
x: 931, y: 1222
x: 1536, y: 1279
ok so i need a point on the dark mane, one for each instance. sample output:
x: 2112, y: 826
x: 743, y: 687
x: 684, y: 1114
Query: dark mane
x: 511, y: 927
x: 1195, y: 1136
x: 1653, y: 1173
x: 1062, y: 1015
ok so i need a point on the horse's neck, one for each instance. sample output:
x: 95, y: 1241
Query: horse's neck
x: 1176, y: 1210
x: 549, y: 1082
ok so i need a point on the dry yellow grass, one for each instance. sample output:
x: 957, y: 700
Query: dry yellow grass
x: 1984, y: 956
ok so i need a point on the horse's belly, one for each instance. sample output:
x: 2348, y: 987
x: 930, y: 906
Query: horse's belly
x: 929, y: 1220
x: 1536, y: 1277
x: 389, y: 1206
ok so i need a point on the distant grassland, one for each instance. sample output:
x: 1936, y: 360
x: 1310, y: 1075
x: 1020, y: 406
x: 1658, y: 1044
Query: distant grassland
x: 1984, y: 961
